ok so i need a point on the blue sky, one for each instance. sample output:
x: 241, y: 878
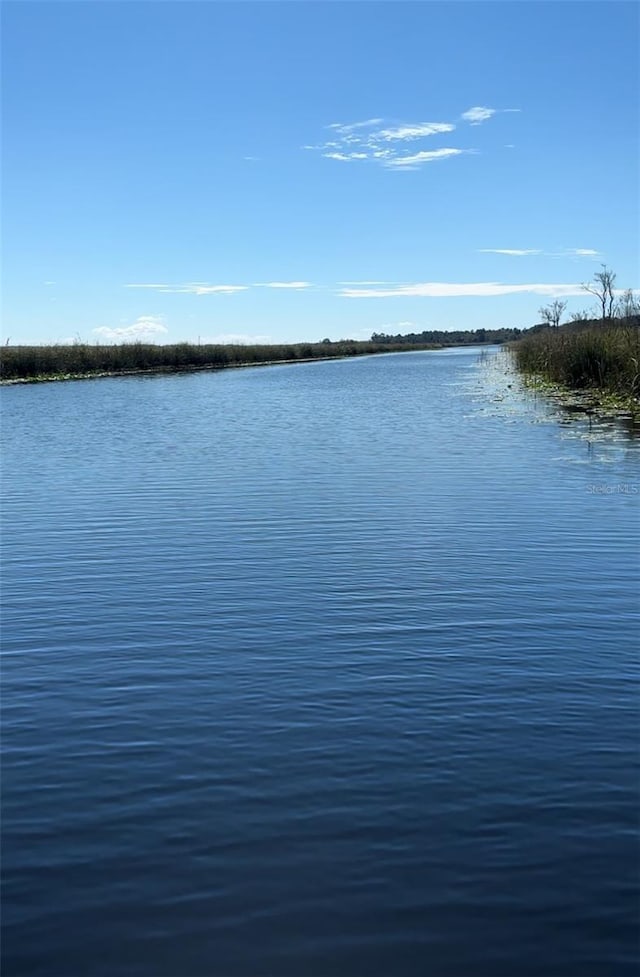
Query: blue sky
x: 299, y: 170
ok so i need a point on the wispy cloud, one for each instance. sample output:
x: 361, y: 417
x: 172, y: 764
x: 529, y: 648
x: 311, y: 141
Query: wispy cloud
x: 350, y: 127
x: 516, y: 252
x: 523, y: 252
x: 236, y: 339
x: 425, y: 156
x: 211, y: 289
x: 384, y: 143
x: 398, y: 325
x: 144, y: 327
x: 411, y: 132
x: 206, y: 288
x: 298, y: 286
x: 346, y: 157
x: 478, y: 114
x: 192, y: 288
x: 454, y: 289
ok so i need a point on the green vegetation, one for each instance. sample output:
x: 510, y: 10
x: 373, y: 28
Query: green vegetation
x: 598, y: 356
x: 83, y: 360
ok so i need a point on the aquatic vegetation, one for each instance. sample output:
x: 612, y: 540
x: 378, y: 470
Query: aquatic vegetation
x: 602, y: 358
x: 85, y: 360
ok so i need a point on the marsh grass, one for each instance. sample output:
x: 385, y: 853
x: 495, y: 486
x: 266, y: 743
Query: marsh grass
x: 85, y: 360
x: 603, y: 359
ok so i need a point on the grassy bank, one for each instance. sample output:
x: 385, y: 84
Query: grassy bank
x: 84, y: 360
x: 600, y: 359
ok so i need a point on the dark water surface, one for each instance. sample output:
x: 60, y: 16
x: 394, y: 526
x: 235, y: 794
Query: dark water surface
x: 323, y: 670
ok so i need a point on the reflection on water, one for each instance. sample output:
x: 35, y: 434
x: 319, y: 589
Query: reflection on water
x: 501, y: 391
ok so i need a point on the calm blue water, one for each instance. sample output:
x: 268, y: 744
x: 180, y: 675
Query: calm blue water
x: 322, y: 670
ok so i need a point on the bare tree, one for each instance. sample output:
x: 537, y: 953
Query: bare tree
x: 603, y: 290
x: 628, y: 306
x: 583, y: 316
x: 552, y: 314
x: 545, y: 314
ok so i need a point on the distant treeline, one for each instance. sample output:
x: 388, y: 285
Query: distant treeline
x: 459, y: 337
x: 83, y: 359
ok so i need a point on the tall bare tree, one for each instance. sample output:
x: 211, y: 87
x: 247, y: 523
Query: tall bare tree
x: 603, y: 289
x: 552, y: 314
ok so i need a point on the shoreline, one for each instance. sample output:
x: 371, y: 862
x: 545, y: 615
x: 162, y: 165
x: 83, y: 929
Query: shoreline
x: 199, y: 368
x: 592, y: 366
x: 587, y: 400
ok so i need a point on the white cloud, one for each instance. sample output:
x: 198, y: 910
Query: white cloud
x: 236, y: 339
x: 193, y: 288
x: 512, y: 251
x: 381, y: 141
x: 345, y: 157
x: 145, y: 327
x: 398, y: 325
x: 205, y: 288
x: 412, y: 162
x: 350, y: 127
x: 294, y: 285
x: 48, y: 283
x: 477, y: 114
x: 521, y: 252
x: 454, y: 289
x: 211, y: 289
x: 414, y: 131
x: 374, y: 141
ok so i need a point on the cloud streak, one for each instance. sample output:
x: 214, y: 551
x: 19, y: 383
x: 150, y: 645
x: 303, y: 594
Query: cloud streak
x: 411, y: 132
x: 206, y: 288
x: 297, y: 286
x: 516, y: 252
x: 478, y: 114
x: 235, y: 339
x: 523, y: 252
x: 351, y: 127
x: 192, y: 288
x: 461, y: 289
x: 425, y: 156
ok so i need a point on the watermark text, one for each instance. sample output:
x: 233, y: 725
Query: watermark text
x: 613, y: 488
